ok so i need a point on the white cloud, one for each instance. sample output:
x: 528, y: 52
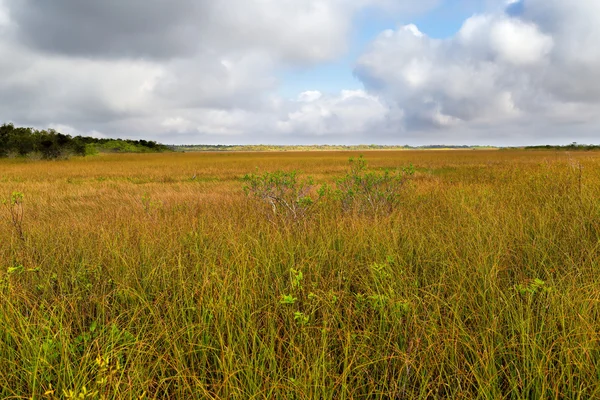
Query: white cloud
x: 4, y: 16
x: 435, y: 82
x: 52, y: 89
x: 309, y: 96
x: 351, y: 113
x: 313, y: 117
x: 575, y: 27
x: 505, y: 39
x: 497, y: 71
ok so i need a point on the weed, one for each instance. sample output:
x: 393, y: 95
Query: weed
x: 371, y: 192
x: 288, y: 299
x: 288, y: 197
x: 533, y: 287
x: 301, y: 318
x: 296, y: 277
x: 149, y: 205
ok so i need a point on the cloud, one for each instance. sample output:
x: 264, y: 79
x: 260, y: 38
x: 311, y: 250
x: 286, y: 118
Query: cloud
x: 206, y: 71
x: 350, y: 114
x: 291, y: 30
x: 506, y: 40
x: 4, y: 16
x: 73, y: 61
x: 236, y: 80
x: 500, y: 70
x: 51, y: 89
x: 69, y: 130
x: 199, y: 68
x: 312, y: 117
x: 575, y: 60
x: 136, y: 28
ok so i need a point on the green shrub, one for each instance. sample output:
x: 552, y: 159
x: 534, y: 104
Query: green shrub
x: 290, y: 198
x: 370, y: 192
x: 287, y: 196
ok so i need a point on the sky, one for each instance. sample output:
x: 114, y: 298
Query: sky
x: 475, y: 72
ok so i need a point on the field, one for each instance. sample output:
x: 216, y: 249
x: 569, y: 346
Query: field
x: 155, y: 276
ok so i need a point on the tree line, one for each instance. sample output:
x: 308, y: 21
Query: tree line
x: 571, y: 147
x: 50, y: 144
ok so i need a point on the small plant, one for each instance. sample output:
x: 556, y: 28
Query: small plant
x: 287, y: 196
x: 18, y: 269
x: 360, y: 301
x: 382, y: 272
x: 301, y: 318
x: 378, y: 301
x: 370, y: 192
x: 296, y: 277
x: 379, y: 271
x: 80, y: 394
x: 401, y: 308
x: 14, y: 271
x: 108, y: 369
x: 533, y: 287
x: 82, y: 341
x: 288, y: 299
x: 149, y: 205
x: 333, y: 297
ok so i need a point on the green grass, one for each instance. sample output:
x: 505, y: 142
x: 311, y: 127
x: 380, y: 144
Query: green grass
x: 140, y: 281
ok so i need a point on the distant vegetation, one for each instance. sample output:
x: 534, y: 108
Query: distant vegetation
x: 50, y: 144
x: 315, y: 147
x: 570, y: 147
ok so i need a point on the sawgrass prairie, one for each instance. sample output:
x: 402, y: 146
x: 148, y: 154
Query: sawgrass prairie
x: 155, y: 276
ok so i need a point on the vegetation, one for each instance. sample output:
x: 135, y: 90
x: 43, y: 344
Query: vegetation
x: 370, y: 192
x: 570, y: 147
x: 49, y: 144
x: 322, y: 147
x: 155, y: 276
x: 287, y: 197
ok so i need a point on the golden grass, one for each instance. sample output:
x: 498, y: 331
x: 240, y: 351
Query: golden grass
x: 153, y: 276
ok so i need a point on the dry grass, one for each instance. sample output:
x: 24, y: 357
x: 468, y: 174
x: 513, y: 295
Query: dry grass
x: 153, y: 276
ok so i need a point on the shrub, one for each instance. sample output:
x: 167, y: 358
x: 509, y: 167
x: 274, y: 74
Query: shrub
x: 370, y: 192
x: 287, y: 196
x: 290, y: 198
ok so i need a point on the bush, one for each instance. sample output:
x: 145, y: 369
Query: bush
x: 287, y: 196
x: 290, y: 198
x: 370, y: 192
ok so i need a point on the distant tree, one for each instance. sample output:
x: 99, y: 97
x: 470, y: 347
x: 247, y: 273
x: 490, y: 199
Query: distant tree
x: 50, y: 144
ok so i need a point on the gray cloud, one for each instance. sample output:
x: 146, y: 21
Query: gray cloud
x: 110, y: 28
x: 292, y: 30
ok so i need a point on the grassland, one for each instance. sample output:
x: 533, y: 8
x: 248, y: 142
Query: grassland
x: 154, y: 276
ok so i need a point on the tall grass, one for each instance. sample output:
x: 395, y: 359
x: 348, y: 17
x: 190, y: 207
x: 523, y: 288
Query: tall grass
x: 153, y: 276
